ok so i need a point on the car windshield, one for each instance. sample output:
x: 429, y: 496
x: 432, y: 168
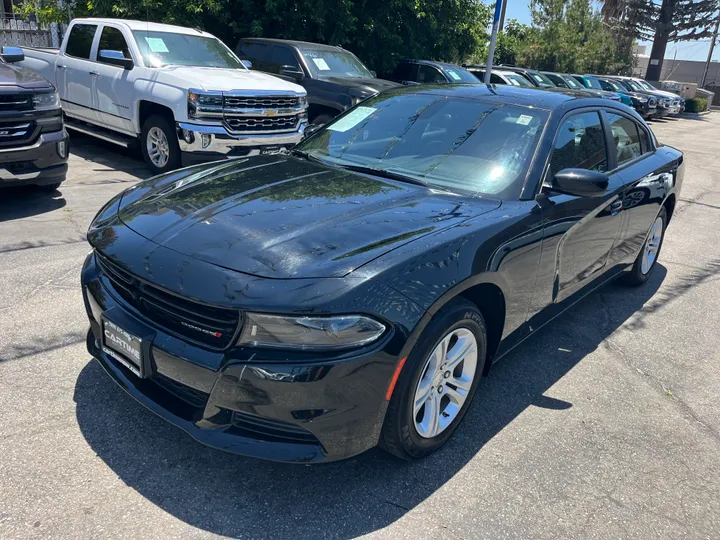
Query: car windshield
x: 612, y: 84
x: 172, y: 49
x: 572, y: 83
x: 645, y: 85
x: 326, y: 63
x: 592, y: 82
x: 518, y: 80
x: 540, y: 79
x: 459, y: 75
x: 448, y: 142
x: 636, y: 86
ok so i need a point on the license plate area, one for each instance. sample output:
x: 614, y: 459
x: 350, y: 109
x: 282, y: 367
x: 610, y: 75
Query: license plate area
x: 128, y: 343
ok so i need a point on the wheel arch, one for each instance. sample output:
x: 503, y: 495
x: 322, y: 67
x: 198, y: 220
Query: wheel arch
x: 669, y: 205
x: 146, y: 109
x: 315, y: 110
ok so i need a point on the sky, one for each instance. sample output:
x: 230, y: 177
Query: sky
x: 688, y: 50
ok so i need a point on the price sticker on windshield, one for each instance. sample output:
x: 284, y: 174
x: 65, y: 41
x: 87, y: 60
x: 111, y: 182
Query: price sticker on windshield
x: 321, y: 64
x: 524, y: 120
x: 156, y: 44
x: 454, y: 76
x: 352, y: 119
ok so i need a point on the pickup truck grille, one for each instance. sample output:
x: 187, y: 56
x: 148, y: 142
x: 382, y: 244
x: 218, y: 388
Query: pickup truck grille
x: 16, y: 102
x: 207, y: 325
x: 14, y: 132
x: 261, y: 102
x: 261, y: 124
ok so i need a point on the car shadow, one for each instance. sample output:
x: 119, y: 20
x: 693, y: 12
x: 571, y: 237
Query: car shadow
x: 235, y: 496
x: 106, y: 156
x: 27, y: 201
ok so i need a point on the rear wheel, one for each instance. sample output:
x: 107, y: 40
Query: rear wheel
x: 437, y: 383
x: 648, y: 256
x: 159, y: 144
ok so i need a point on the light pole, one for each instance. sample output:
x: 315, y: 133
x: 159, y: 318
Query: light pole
x: 493, y: 39
x: 712, y: 48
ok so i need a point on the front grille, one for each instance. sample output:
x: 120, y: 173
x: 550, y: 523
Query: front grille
x: 261, y: 102
x: 254, y: 124
x: 14, y: 132
x: 267, y: 429
x: 16, y: 102
x: 189, y: 395
x: 210, y: 326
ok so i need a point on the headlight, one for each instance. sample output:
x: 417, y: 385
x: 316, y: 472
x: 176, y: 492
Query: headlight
x: 320, y: 333
x: 46, y: 102
x: 302, y: 101
x: 641, y: 99
x: 202, y: 103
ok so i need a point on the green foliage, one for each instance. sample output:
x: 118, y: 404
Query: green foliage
x: 696, y: 105
x: 511, y: 42
x: 45, y: 11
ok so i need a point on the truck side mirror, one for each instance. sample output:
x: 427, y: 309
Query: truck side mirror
x: 293, y: 72
x: 116, y: 58
x: 12, y: 54
x: 247, y: 63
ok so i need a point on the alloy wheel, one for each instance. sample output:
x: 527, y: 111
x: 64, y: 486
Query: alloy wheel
x: 445, y: 384
x: 158, y: 148
x: 652, y: 245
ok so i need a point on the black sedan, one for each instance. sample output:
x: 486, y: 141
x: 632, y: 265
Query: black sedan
x: 307, y: 307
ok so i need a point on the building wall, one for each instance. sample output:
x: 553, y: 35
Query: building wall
x: 682, y: 70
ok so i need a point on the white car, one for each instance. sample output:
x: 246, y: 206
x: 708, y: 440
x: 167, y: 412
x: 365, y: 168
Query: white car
x: 181, y: 92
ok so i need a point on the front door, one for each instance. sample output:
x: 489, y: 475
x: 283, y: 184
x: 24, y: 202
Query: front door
x: 113, y: 90
x: 75, y: 86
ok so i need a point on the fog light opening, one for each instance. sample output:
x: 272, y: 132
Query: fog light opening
x: 62, y: 149
x: 188, y: 136
x: 206, y: 140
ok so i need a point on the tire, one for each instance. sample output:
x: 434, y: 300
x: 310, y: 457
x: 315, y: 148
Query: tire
x: 639, y: 274
x: 49, y: 187
x: 321, y: 119
x: 168, y: 155
x: 401, y: 435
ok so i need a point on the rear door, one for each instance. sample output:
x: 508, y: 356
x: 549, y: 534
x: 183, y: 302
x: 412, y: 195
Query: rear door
x: 257, y: 52
x: 113, y: 87
x: 430, y: 75
x: 76, y: 82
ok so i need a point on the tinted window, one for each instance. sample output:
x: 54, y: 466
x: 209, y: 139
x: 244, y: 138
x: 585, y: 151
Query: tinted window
x: 282, y: 56
x: 580, y: 145
x: 404, y: 71
x: 626, y: 136
x: 327, y: 63
x: 496, y: 79
x: 557, y: 80
x: 459, y: 75
x: 592, y: 82
x: 466, y: 144
x: 572, y: 83
x: 112, y: 39
x: 255, y: 52
x: 518, y: 80
x: 430, y: 75
x: 540, y: 79
x: 80, y: 40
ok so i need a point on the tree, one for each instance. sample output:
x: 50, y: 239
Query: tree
x: 628, y: 21
x: 679, y: 20
x: 511, y: 43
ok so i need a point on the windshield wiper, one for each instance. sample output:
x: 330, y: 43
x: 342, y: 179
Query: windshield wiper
x: 386, y: 174
x: 307, y: 156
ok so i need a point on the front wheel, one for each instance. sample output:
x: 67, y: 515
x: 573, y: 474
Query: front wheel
x: 159, y: 144
x: 648, y: 256
x: 438, y: 382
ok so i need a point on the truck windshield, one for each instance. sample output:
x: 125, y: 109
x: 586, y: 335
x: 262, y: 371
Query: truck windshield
x: 326, y: 63
x: 453, y: 143
x: 168, y: 48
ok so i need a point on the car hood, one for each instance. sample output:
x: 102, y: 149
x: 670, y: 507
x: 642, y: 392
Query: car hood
x: 364, y: 86
x: 226, y: 80
x: 285, y: 217
x: 22, y: 77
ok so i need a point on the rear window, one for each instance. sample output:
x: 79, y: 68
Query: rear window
x: 465, y: 144
x: 80, y: 40
x: 405, y: 71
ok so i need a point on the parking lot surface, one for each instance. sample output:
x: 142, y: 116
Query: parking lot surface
x: 605, y: 425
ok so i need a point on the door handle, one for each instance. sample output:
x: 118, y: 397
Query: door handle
x: 60, y: 66
x: 615, y: 208
x: 94, y: 73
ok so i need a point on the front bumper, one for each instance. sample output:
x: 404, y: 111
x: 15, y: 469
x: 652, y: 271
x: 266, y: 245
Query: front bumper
x: 214, y: 142
x: 39, y: 163
x: 302, y: 412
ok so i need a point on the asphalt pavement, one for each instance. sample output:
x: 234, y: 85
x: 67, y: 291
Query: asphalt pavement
x: 605, y: 425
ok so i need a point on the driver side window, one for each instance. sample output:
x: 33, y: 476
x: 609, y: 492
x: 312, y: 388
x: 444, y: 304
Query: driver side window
x: 580, y: 145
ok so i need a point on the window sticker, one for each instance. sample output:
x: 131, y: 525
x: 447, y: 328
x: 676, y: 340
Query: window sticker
x: 321, y: 64
x: 156, y: 44
x: 352, y: 119
x: 524, y: 119
x: 454, y: 76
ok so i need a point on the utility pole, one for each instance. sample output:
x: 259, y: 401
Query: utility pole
x: 712, y: 48
x: 502, y: 17
x: 493, y: 39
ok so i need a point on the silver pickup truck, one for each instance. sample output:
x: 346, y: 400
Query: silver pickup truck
x: 181, y: 92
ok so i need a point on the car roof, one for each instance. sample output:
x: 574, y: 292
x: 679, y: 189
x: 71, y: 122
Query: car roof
x: 296, y: 43
x: 431, y: 63
x: 547, y: 99
x: 143, y: 25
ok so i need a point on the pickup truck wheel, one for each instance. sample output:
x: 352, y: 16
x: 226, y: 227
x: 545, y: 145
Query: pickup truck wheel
x: 159, y: 144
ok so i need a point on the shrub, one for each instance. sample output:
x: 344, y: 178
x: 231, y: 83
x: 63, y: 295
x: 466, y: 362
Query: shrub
x: 696, y: 105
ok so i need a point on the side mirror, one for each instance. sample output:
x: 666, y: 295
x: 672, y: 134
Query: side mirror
x: 247, y: 63
x: 374, y: 74
x: 116, y: 58
x: 12, y: 54
x: 311, y: 129
x: 580, y: 182
x: 292, y: 72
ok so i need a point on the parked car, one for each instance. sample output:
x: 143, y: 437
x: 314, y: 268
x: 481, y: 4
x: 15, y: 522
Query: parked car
x: 33, y: 141
x: 668, y: 103
x: 180, y: 92
x: 645, y: 105
x: 534, y: 76
x: 500, y: 76
x: 429, y: 72
x: 588, y: 81
x: 335, y: 79
x: 307, y: 307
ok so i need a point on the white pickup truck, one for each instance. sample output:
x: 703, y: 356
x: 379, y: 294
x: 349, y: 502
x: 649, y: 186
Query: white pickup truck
x: 180, y: 91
